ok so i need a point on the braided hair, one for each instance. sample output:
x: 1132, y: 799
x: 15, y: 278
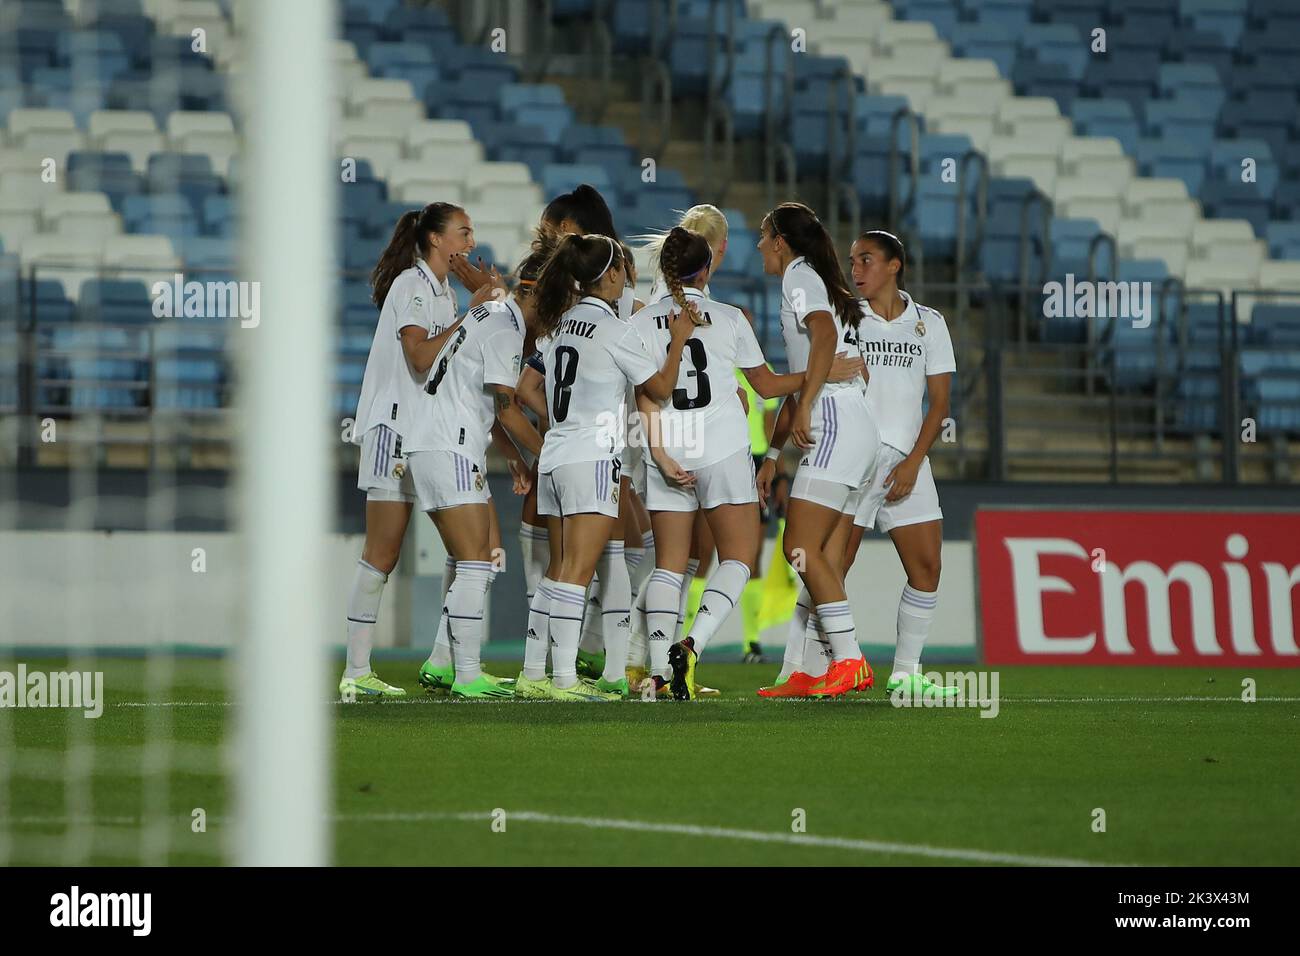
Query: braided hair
x: 683, y: 255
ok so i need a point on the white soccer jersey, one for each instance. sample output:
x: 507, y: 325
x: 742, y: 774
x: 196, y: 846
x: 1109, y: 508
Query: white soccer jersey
x: 899, y: 355
x: 802, y: 293
x: 703, y: 422
x: 659, y: 289
x: 457, y: 409
x: 590, y: 361
x: 390, y: 385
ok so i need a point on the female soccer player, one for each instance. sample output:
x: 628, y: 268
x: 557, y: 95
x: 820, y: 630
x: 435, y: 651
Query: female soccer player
x: 830, y: 421
x: 590, y: 355
x: 417, y: 316
x: 470, y: 389
x: 909, y: 357
x: 702, y: 463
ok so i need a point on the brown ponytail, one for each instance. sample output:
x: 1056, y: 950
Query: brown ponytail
x: 683, y: 255
x: 410, y: 242
x: 575, y: 268
x: 804, y: 233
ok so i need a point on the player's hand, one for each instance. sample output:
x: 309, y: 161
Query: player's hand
x: 763, y: 479
x: 472, y: 277
x: 493, y: 289
x: 673, y: 471
x: 801, y: 432
x: 844, y: 368
x: 902, y: 479
x: 519, y: 473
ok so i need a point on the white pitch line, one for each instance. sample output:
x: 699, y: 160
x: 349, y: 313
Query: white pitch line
x: 647, y: 826
x: 727, y: 833
x: 746, y: 700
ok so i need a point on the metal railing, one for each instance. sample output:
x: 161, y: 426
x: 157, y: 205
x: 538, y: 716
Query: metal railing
x: 839, y: 169
x: 777, y: 152
x: 717, y: 110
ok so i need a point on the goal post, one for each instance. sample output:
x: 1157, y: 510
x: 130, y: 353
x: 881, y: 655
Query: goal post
x: 282, y: 754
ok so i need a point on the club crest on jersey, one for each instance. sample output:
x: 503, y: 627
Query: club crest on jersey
x: 399, y: 471
x: 613, y: 496
x: 478, y: 482
x: 920, y: 328
x: 417, y: 301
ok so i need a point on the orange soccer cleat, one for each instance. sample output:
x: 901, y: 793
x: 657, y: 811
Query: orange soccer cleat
x: 867, y: 678
x: 844, y: 676
x: 797, y: 684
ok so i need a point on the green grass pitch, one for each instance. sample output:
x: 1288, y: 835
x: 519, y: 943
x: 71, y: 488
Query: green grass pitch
x: 1186, y: 772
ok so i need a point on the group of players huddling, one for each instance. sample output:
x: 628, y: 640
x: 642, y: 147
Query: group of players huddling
x: 638, y: 431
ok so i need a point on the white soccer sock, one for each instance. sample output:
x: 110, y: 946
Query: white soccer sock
x: 593, y: 638
x: 633, y: 557
x: 440, y: 656
x: 816, y: 648
x: 646, y: 565
x: 915, y: 613
x: 837, y: 624
x: 662, y: 607
x: 615, y: 609
x: 692, y: 566
x: 567, y: 602
x: 535, y: 545
x: 538, y: 639
x: 464, y: 613
x: 363, y: 610
x: 638, y: 645
x: 725, y: 585
x: 794, y: 638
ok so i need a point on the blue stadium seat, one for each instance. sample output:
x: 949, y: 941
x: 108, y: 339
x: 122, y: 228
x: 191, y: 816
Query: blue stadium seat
x: 1172, y: 158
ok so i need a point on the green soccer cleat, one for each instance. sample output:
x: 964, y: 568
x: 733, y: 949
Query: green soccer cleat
x: 917, y: 686
x: 591, y: 664
x: 352, y: 688
x: 481, y: 688
x: 682, y: 658
x: 526, y: 689
x: 584, y: 691
x: 613, y: 686
x: 433, y: 677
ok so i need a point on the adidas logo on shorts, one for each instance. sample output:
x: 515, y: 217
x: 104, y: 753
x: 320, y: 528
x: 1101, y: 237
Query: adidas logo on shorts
x: 532, y: 634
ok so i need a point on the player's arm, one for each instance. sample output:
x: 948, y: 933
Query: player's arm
x: 902, y: 478
x: 659, y: 386
x: 422, y: 349
x: 649, y: 411
x: 531, y: 393
x: 514, y: 421
x: 780, y: 435
x: 519, y: 471
x: 821, y: 353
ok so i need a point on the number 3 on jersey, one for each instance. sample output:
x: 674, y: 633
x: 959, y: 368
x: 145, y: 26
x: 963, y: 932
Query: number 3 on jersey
x: 566, y: 373
x: 700, y: 361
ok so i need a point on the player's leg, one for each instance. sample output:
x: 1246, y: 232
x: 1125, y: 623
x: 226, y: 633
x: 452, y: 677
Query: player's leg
x: 918, y: 546
x: 386, y: 522
x: 466, y: 530
x: 702, y: 551
x: 666, y: 588
x: 532, y: 681
x: 638, y: 647
x: 615, y: 598
x: 585, y: 539
x: 818, y: 656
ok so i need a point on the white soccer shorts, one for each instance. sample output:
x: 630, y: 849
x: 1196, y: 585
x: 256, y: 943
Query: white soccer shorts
x: 444, y: 479
x: 582, y: 487
x: 383, y: 472
x: 921, y: 504
x: 726, y: 482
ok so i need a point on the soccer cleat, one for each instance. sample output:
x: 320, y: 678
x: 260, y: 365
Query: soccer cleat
x: 682, y: 659
x: 702, y: 691
x: 481, y: 688
x: 351, y: 688
x: 797, y: 684
x: 635, y: 675
x: 842, y: 677
x: 868, y: 680
x: 619, y: 686
x: 433, y: 677
x: 526, y: 689
x: 591, y: 664
x: 753, y: 653
x: 584, y: 691
x: 917, y: 686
